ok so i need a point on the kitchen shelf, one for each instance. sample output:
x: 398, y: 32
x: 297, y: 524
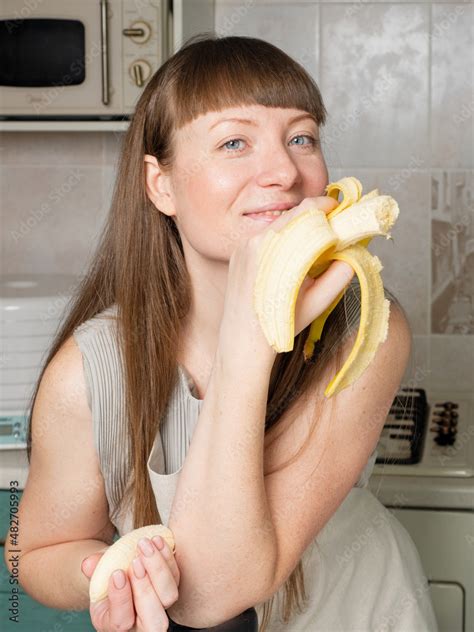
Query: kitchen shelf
x: 64, y: 126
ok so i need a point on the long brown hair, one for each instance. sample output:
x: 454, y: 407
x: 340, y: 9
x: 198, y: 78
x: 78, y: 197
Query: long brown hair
x: 139, y: 263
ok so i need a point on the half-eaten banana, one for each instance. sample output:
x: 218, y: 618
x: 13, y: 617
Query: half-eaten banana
x: 306, y: 246
x: 120, y: 556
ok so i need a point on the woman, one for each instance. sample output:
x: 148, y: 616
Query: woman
x: 162, y: 344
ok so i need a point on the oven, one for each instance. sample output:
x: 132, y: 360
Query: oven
x: 424, y: 474
x: 81, y: 59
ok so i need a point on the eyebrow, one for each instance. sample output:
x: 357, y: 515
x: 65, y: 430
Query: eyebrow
x: 254, y: 123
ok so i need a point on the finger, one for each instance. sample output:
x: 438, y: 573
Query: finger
x: 116, y: 611
x: 325, y: 203
x: 99, y: 613
x: 90, y: 562
x: 121, y: 607
x: 150, y: 612
x: 159, y: 572
x: 168, y: 554
x: 321, y: 293
x: 88, y: 565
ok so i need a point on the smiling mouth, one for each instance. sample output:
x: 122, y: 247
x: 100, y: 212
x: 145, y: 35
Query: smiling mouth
x: 264, y: 217
x: 267, y: 213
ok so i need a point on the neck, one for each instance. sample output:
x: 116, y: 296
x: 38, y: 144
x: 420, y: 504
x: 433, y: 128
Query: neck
x: 202, y: 324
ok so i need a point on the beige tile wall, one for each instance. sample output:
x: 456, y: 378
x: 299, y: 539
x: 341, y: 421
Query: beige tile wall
x: 53, y: 200
x: 397, y: 81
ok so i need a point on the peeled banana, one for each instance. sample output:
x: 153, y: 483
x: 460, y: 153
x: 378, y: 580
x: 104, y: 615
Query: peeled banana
x: 120, y: 556
x: 306, y: 246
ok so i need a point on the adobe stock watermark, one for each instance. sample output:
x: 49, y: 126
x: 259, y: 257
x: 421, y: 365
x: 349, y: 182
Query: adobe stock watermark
x: 48, y: 96
x: 22, y: 14
x: 67, y: 510
x: 401, y: 177
x: 407, y: 601
x: 232, y: 20
x: 465, y: 113
x: 37, y: 215
x: 441, y: 27
x: 349, y: 120
x: 56, y: 307
x: 355, y: 8
x: 420, y: 375
x: 450, y: 235
x: 463, y: 438
x: 363, y: 538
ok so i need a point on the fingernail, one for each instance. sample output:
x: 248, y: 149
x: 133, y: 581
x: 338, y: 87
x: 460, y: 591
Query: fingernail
x: 138, y: 568
x: 119, y: 579
x: 158, y: 540
x: 146, y: 547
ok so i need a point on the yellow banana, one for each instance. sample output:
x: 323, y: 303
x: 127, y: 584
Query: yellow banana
x: 305, y: 247
x: 120, y: 556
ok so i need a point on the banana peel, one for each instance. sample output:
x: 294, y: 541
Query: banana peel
x: 306, y: 246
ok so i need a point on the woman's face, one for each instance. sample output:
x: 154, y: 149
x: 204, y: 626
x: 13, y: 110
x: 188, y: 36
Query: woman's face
x: 225, y: 168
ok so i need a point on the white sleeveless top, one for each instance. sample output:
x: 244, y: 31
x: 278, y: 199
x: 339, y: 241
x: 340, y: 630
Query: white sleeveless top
x: 362, y: 572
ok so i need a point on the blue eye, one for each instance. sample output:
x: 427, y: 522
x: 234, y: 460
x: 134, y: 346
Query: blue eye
x: 232, y: 140
x: 313, y: 142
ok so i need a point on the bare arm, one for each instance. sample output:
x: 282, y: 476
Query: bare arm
x: 221, y: 499
x: 220, y: 505
x: 63, y: 512
x: 52, y: 575
x: 302, y: 498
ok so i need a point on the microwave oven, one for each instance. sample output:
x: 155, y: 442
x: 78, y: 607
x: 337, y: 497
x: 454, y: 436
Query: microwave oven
x: 79, y: 59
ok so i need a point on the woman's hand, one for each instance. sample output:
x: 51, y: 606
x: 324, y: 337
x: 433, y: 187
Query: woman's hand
x: 149, y: 587
x: 240, y: 322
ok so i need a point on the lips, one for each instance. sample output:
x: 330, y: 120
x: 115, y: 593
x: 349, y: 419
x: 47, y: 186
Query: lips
x: 276, y: 206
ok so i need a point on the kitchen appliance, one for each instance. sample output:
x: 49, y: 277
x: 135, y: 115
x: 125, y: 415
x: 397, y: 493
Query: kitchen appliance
x: 424, y: 474
x: 31, y: 308
x: 79, y: 60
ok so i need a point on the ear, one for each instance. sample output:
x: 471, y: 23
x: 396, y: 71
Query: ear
x: 158, y: 186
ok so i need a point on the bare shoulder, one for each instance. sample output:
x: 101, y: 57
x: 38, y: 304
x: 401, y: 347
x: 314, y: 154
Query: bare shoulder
x: 66, y: 367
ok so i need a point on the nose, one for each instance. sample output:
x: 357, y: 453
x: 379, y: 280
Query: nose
x: 277, y: 168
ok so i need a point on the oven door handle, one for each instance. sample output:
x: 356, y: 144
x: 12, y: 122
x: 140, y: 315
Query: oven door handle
x: 104, y: 51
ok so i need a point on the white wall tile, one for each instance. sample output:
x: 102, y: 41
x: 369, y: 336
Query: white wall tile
x: 406, y: 257
x: 374, y: 80
x: 452, y: 362
x: 50, y: 225
x: 374, y: 75
x: 112, y: 147
x: 452, y: 252
x: 51, y: 148
x: 293, y: 27
x: 109, y: 175
x: 452, y: 105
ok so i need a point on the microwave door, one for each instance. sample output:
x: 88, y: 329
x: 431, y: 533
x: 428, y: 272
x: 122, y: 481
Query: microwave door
x: 39, y: 53
x: 57, y: 61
